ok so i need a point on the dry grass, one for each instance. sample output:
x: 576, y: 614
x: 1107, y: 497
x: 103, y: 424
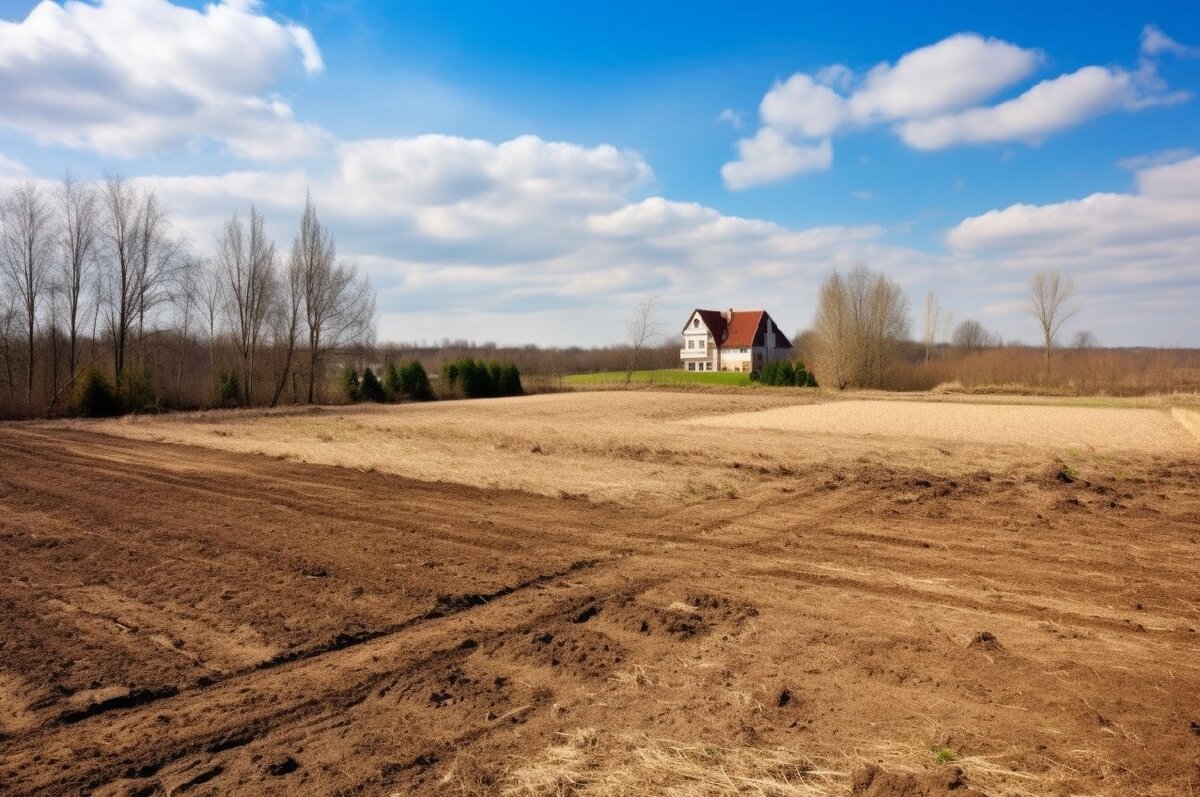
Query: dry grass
x: 586, y: 763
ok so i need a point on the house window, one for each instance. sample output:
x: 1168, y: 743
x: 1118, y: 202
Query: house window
x: 708, y: 366
x: 695, y: 323
x: 691, y: 366
x: 691, y: 344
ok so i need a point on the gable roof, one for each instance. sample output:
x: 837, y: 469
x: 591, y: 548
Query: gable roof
x: 743, y: 330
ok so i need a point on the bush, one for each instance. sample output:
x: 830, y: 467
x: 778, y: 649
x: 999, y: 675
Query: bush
x: 480, y: 379
x: 96, y: 396
x: 414, y: 382
x: 228, y: 392
x: 370, y: 388
x: 510, y: 381
x: 782, y: 373
x: 350, y: 384
x: 450, y: 374
x: 137, y: 389
x: 393, y: 382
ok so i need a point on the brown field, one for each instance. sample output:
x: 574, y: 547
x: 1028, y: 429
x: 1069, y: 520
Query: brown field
x: 627, y: 593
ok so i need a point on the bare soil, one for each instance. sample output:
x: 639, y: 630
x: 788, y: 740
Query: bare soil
x: 190, y: 620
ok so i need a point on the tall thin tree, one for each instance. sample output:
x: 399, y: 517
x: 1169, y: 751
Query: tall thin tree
x: 26, y: 252
x: 77, y: 208
x: 1049, y: 293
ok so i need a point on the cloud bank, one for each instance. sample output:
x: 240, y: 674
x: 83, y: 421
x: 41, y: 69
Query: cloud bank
x: 128, y: 78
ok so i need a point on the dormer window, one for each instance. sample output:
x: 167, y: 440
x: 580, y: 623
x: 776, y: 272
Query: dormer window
x: 695, y: 323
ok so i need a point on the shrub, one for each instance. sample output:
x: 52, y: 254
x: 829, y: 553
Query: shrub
x: 804, y: 377
x: 227, y: 392
x: 480, y: 379
x: 777, y: 373
x: 414, y: 382
x: 370, y: 388
x: 350, y: 384
x: 510, y: 381
x: 450, y: 374
x: 393, y: 382
x: 96, y: 397
x: 137, y: 389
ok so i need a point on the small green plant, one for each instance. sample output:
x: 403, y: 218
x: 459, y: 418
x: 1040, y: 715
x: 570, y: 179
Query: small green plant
x: 96, y: 397
x: 350, y: 383
x: 943, y: 755
x: 227, y: 391
x: 414, y: 382
x: 370, y: 388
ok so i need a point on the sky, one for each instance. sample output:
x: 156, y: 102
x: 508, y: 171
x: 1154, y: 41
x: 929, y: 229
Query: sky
x: 528, y: 172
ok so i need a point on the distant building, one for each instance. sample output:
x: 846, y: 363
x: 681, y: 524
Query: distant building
x: 732, y: 340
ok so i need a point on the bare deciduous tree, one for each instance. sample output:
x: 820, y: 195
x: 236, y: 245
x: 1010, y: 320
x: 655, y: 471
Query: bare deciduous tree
x: 1084, y: 339
x: 120, y: 282
x: 26, y: 252
x: 78, y: 209
x: 1049, y: 293
x: 937, y: 321
x: 860, y: 319
x: 971, y: 335
x: 640, y: 329
x: 247, y: 262
x: 290, y: 301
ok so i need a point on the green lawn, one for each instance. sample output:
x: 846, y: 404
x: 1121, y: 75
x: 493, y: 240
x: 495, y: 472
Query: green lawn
x: 671, y: 376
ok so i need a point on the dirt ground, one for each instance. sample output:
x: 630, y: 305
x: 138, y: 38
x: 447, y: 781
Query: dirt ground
x: 597, y: 594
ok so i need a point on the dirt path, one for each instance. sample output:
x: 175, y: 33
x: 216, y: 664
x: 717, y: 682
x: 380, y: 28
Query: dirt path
x: 184, y: 620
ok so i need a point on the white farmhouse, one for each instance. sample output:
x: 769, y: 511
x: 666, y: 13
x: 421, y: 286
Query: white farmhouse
x: 732, y: 340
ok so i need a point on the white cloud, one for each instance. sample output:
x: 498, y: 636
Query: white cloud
x: 1160, y: 158
x: 731, y: 117
x: 1148, y: 237
x: 1155, y: 42
x: 932, y: 98
x: 770, y: 156
x: 131, y: 77
x: 1048, y: 107
x: 957, y: 71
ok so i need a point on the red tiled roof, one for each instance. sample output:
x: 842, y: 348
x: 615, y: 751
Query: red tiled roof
x: 743, y: 330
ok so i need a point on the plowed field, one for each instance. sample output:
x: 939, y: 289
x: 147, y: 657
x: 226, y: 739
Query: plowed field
x: 211, y: 619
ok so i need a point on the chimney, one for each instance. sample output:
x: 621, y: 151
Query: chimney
x: 727, y: 314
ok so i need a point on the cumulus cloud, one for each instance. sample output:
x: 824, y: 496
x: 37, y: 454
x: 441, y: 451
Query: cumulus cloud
x: 1147, y: 236
x: 126, y: 78
x: 933, y: 98
x: 1048, y: 107
x: 731, y: 117
x: 770, y: 156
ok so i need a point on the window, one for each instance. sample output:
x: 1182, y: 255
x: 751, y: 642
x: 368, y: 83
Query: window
x: 691, y: 366
x: 695, y: 323
x: 691, y: 343
x: 708, y: 366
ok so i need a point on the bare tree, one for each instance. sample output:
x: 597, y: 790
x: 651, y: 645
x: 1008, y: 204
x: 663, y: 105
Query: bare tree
x: 156, y: 259
x: 937, y: 321
x: 247, y: 262
x: 1049, y: 293
x: 860, y: 319
x: 26, y: 252
x: 971, y: 335
x: 1084, y: 339
x: 290, y: 301
x: 78, y: 209
x: 339, y: 306
x: 120, y: 280
x: 313, y: 253
x: 210, y: 298
x: 641, y: 328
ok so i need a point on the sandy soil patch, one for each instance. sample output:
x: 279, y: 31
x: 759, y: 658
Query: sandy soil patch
x: 1035, y: 426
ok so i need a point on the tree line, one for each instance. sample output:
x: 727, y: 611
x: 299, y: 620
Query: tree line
x: 97, y: 286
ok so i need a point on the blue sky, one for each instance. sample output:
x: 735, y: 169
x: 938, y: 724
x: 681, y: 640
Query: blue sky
x: 526, y: 172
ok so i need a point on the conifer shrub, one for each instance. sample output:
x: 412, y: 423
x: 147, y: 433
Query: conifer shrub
x: 96, y: 397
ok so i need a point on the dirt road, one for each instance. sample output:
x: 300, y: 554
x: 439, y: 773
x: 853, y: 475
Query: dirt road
x: 187, y: 620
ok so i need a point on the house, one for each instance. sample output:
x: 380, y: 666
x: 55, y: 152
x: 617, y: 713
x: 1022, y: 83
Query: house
x: 732, y: 340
